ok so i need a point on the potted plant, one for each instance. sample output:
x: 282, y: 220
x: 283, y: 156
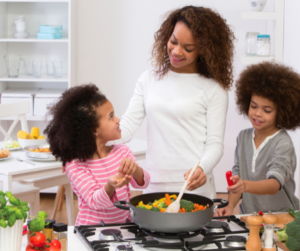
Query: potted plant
x: 12, y: 216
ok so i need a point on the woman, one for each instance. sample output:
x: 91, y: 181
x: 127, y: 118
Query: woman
x: 185, y: 100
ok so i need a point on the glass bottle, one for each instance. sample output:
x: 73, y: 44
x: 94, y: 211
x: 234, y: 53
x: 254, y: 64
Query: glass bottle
x: 263, y: 45
x: 60, y: 232
x: 251, y: 43
x: 48, y: 229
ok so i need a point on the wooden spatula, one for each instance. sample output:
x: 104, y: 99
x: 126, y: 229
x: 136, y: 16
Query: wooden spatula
x: 174, y: 207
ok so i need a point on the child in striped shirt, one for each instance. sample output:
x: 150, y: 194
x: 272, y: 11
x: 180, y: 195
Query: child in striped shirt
x: 83, y: 122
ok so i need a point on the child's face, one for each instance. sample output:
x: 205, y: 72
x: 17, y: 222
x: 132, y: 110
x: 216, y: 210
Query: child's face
x: 182, y: 50
x: 109, y: 127
x: 262, y: 113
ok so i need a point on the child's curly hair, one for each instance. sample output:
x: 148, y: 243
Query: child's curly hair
x: 71, y: 132
x: 214, y: 39
x: 273, y: 81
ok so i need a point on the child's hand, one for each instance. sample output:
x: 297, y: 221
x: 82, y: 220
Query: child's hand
x: 128, y: 166
x: 117, y: 181
x: 238, y: 187
x: 225, y: 211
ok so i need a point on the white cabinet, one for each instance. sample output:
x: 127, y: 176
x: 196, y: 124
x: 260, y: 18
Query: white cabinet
x: 39, y: 12
x: 278, y: 17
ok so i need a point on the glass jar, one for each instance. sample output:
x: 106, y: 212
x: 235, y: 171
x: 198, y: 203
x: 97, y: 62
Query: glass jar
x: 263, y: 45
x: 250, y: 45
x: 48, y: 229
x: 60, y: 232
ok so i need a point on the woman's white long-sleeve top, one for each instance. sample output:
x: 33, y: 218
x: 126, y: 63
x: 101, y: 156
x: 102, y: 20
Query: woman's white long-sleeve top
x: 186, y: 117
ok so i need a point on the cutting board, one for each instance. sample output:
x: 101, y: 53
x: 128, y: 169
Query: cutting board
x: 282, y: 220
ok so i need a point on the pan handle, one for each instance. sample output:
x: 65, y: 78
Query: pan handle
x: 223, y: 202
x: 120, y: 203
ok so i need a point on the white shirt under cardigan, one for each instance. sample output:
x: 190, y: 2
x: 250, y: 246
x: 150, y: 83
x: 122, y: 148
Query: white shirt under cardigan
x: 186, y: 117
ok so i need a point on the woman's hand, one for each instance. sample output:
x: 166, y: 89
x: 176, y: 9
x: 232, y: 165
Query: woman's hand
x: 198, y: 179
x: 225, y: 211
x: 238, y: 187
x: 128, y: 166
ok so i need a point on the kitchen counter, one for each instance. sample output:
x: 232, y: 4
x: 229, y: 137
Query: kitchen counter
x: 75, y: 243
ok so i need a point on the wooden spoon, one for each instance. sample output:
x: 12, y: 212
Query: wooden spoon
x: 174, y: 207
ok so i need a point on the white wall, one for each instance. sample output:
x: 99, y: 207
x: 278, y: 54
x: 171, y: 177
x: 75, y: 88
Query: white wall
x: 291, y: 58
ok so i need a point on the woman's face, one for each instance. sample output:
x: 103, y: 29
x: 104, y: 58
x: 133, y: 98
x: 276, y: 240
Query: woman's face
x: 262, y: 113
x: 182, y: 50
x: 109, y: 127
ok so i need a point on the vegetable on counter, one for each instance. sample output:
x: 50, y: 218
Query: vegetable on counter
x: 293, y: 213
x: 161, y: 205
x: 281, y: 233
x: 291, y: 232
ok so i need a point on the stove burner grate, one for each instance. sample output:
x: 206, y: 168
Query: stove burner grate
x: 235, y: 241
x: 124, y: 248
x: 107, y: 235
x: 216, y: 227
x: 140, y: 235
x: 169, y: 236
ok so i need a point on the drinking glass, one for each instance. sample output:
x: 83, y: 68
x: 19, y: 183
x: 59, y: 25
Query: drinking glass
x: 28, y: 67
x: 37, y: 68
x: 49, y: 64
x: 12, y: 65
x: 57, y: 68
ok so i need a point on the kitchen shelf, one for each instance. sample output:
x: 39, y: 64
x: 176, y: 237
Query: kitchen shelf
x: 33, y: 40
x: 25, y: 78
x: 278, y: 16
x: 255, y: 60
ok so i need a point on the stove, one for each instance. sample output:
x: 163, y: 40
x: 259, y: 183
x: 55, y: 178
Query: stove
x: 226, y: 233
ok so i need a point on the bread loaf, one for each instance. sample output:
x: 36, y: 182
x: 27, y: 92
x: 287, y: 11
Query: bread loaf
x: 4, y: 153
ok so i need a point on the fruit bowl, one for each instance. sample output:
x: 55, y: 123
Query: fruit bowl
x: 30, y: 142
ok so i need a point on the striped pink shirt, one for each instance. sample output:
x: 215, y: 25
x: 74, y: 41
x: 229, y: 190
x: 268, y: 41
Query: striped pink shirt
x: 88, y: 180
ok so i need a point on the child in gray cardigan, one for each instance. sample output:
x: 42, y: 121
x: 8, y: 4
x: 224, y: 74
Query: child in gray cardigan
x: 265, y: 159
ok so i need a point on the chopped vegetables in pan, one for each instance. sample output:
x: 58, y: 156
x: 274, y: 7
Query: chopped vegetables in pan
x: 161, y: 205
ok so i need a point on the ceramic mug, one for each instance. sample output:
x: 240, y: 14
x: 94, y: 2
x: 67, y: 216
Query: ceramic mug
x: 257, y: 5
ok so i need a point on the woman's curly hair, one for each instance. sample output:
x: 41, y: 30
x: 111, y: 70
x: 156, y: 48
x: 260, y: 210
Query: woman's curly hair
x: 214, y: 39
x: 71, y: 132
x: 273, y: 81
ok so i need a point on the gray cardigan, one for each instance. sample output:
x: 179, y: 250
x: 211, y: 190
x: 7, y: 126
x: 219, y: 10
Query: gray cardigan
x: 277, y: 159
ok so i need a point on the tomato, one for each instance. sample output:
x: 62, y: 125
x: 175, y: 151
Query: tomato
x: 29, y: 248
x: 53, y: 249
x: 52, y: 243
x: 55, y: 243
x: 37, y: 240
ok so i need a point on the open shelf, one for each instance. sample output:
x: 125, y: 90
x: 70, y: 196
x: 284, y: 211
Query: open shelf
x: 25, y: 78
x: 33, y: 40
x: 276, y: 15
x: 255, y: 60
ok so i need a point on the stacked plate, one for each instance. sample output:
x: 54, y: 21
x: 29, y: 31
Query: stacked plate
x: 20, y: 28
x: 38, y: 155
